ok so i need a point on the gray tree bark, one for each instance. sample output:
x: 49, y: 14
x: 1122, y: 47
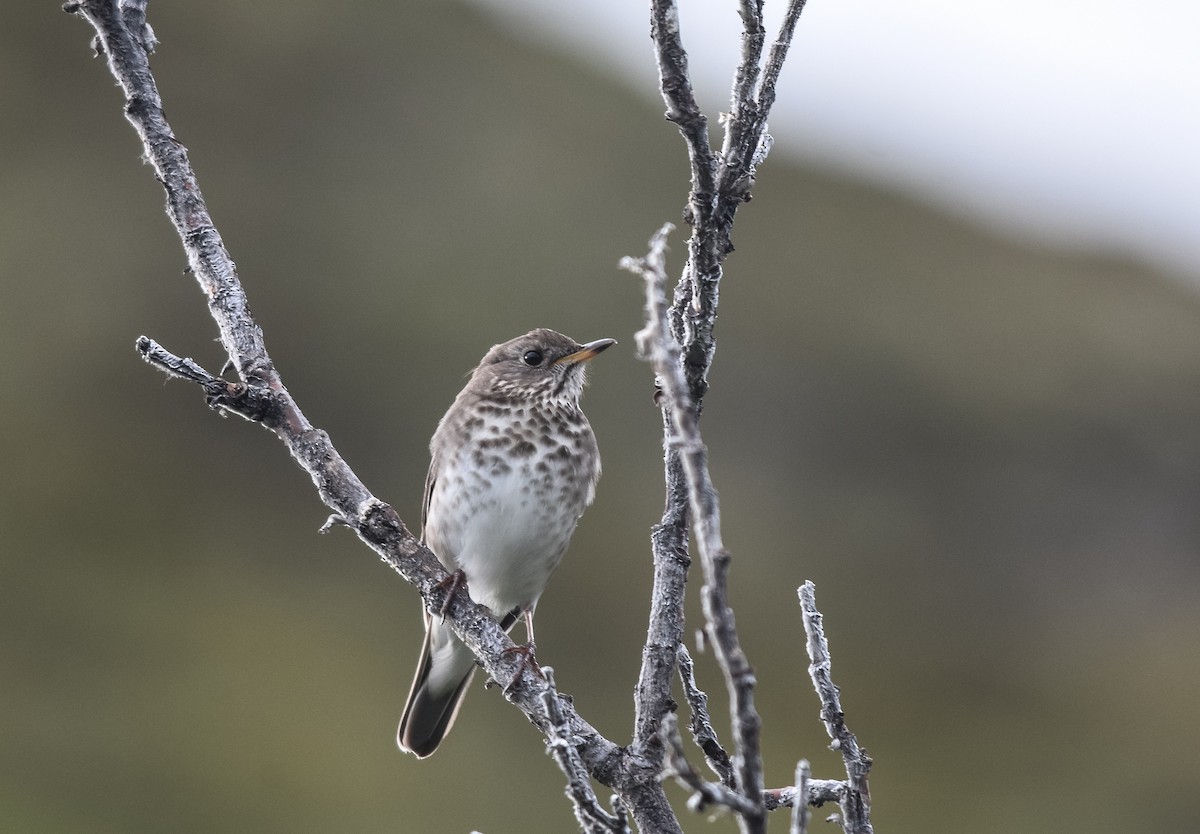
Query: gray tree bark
x: 677, y: 341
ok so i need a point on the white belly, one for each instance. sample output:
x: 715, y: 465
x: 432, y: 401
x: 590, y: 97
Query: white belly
x: 501, y: 530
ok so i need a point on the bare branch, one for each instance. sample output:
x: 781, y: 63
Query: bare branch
x: 703, y: 269
x: 676, y: 85
x: 855, y: 801
x: 693, y: 312
x: 820, y: 791
x: 719, y: 185
x: 800, y: 809
x: 669, y: 540
x: 664, y: 634
x: 561, y: 745
x: 743, y: 105
x: 701, y: 725
x: 180, y: 367
x: 123, y: 36
x: 705, y: 794
x: 777, y: 55
x: 678, y: 343
x: 746, y: 140
x: 657, y: 346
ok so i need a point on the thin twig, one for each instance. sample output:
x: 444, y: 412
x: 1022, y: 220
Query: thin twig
x: 855, y: 801
x: 800, y: 809
x: 746, y: 139
x: 777, y: 54
x: 705, y: 794
x: 561, y: 746
x: 675, y: 83
x: 743, y: 105
x: 701, y: 724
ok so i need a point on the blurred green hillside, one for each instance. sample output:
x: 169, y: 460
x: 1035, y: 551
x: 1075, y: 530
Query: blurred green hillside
x: 986, y: 454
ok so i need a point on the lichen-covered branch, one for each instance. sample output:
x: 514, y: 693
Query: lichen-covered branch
x: 561, y: 746
x: 124, y: 39
x: 800, y: 809
x: 705, y: 794
x: 855, y: 800
x: 669, y: 539
x: 700, y: 724
x: 719, y: 184
x: 678, y: 340
x: 657, y: 345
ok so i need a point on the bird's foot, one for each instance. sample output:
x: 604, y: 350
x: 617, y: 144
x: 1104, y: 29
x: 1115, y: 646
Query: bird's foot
x: 335, y: 520
x: 452, y: 584
x: 528, y: 661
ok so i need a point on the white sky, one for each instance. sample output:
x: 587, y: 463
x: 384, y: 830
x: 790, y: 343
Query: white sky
x: 1075, y: 121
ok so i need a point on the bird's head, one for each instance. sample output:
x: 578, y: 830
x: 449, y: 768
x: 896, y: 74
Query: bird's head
x: 542, y: 365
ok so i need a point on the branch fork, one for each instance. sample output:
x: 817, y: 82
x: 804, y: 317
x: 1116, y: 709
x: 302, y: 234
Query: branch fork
x: 678, y: 343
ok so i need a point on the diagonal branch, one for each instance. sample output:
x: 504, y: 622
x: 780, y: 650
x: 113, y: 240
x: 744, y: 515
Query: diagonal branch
x: 701, y: 724
x: 561, y: 746
x: 123, y: 37
x: 746, y: 139
x: 777, y: 55
x: 705, y: 794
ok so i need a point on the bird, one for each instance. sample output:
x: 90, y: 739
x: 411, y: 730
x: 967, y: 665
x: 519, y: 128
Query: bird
x: 513, y: 465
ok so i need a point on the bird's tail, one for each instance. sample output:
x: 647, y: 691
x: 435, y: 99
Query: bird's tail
x: 443, y: 673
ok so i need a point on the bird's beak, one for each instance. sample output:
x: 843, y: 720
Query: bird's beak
x: 586, y: 352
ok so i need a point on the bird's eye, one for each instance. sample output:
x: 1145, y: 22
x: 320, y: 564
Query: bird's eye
x: 532, y: 358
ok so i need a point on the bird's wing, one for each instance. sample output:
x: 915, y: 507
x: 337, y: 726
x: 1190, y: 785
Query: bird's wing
x: 430, y: 478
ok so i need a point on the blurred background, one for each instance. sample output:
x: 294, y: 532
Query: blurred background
x: 982, y: 444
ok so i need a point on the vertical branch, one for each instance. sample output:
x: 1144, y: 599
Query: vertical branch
x: 656, y: 345
x: 746, y: 139
x: 679, y: 344
x: 743, y: 103
x: 669, y: 539
x: 800, y: 805
x: 675, y: 82
x: 664, y: 634
x: 855, y: 800
x: 694, y: 309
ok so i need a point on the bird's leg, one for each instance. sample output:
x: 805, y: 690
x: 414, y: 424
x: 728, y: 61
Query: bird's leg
x: 528, y: 661
x: 452, y: 584
x: 529, y: 630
